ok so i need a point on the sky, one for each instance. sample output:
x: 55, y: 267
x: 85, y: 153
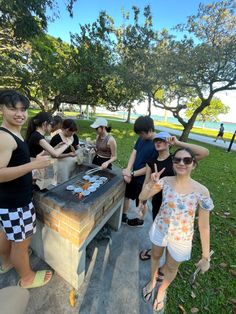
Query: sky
x: 166, y: 14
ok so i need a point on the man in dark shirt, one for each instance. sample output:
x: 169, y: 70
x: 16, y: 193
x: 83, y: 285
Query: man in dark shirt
x: 17, y: 214
x: 134, y: 173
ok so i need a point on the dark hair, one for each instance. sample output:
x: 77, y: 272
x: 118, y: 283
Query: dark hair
x: 57, y: 121
x: 191, y: 153
x: 69, y: 124
x: 37, y: 121
x: 108, y: 128
x: 143, y: 124
x: 10, y: 98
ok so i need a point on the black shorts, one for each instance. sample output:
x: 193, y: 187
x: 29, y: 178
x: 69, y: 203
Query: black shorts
x: 220, y: 134
x: 133, y: 189
x: 97, y: 160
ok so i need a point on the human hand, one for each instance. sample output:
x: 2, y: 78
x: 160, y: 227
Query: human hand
x: 126, y: 172
x: 105, y: 165
x: 155, y: 176
x: 203, y: 264
x: 172, y: 140
x: 127, y: 179
x: 41, y: 161
x: 72, y: 154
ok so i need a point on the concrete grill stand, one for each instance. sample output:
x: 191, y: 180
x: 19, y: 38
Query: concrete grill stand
x: 66, y: 225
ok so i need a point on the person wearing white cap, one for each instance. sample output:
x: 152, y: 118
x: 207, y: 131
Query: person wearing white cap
x: 106, y: 148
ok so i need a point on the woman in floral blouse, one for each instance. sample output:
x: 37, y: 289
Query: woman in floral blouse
x: 173, y: 226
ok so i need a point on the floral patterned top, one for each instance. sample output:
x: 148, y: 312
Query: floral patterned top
x: 176, y: 216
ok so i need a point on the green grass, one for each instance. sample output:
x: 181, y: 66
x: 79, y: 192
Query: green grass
x: 215, y: 290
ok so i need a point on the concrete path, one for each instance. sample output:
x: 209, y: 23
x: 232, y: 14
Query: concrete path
x: 114, y: 278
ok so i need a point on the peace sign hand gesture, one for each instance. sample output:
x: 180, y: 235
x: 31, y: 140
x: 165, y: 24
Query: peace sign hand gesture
x: 155, y: 176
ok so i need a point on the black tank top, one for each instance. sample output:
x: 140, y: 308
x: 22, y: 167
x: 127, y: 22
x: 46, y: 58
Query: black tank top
x: 18, y: 192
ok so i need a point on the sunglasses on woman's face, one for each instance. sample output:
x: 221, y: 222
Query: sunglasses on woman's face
x: 186, y: 160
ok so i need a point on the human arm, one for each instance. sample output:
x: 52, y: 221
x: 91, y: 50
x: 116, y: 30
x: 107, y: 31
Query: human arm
x: 152, y: 187
x: 7, y: 146
x: 199, y: 151
x: 205, y: 206
x: 113, y: 147
x: 204, y: 230
x: 127, y: 170
x: 54, y: 152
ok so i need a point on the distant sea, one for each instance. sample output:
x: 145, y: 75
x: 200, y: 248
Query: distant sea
x: 229, y: 127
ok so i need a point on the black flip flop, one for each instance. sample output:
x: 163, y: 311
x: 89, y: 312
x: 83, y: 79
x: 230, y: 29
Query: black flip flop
x: 147, y: 295
x: 145, y: 255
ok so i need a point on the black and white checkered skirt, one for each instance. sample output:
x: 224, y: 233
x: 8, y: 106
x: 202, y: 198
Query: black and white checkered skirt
x: 18, y: 223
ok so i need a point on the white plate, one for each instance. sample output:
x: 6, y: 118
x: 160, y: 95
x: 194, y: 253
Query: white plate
x: 85, y: 192
x: 92, y: 188
x: 96, y: 184
x: 103, y: 179
x: 93, y: 179
x: 78, y: 190
x: 70, y: 187
x: 86, y: 177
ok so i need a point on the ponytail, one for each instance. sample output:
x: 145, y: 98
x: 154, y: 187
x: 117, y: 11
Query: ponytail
x: 37, y: 121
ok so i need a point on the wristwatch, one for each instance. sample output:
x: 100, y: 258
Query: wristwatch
x: 132, y: 173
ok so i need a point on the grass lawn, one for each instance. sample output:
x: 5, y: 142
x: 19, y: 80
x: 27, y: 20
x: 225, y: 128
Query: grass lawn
x: 215, y: 291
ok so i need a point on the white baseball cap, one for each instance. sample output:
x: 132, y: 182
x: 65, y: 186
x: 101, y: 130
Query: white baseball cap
x: 162, y: 135
x: 99, y: 122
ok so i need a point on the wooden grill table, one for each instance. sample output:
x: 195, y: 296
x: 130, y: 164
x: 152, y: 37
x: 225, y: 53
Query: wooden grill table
x: 66, y: 225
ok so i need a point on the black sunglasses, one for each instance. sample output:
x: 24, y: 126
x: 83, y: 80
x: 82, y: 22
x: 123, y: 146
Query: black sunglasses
x: 186, y: 160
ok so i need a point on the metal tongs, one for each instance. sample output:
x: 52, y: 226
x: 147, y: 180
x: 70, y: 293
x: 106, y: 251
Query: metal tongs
x: 193, y: 277
x: 93, y: 170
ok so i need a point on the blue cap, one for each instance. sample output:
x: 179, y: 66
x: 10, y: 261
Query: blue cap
x: 162, y: 135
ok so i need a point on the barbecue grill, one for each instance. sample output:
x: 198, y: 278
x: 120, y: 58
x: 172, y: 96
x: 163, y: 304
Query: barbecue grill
x: 67, y: 220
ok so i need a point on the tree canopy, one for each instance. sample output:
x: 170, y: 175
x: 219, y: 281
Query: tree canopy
x: 115, y: 66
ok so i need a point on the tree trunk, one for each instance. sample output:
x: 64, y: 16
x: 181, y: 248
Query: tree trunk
x: 129, y: 114
x: 87, y: 111
x: 186, y: 131
x: 56, y: 104
x: 149, y: 105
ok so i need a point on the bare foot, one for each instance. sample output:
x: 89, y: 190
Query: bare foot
x: 159, y: 302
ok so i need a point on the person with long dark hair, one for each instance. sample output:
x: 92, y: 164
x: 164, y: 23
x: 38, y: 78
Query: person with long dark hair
x: 105, y: 144
x: 38, y: 126
x: 66, y: 162
x: 17, y: 213
x: 173, y: 226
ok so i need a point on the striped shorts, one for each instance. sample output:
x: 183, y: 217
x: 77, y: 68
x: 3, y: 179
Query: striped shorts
x: 18, y: 223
